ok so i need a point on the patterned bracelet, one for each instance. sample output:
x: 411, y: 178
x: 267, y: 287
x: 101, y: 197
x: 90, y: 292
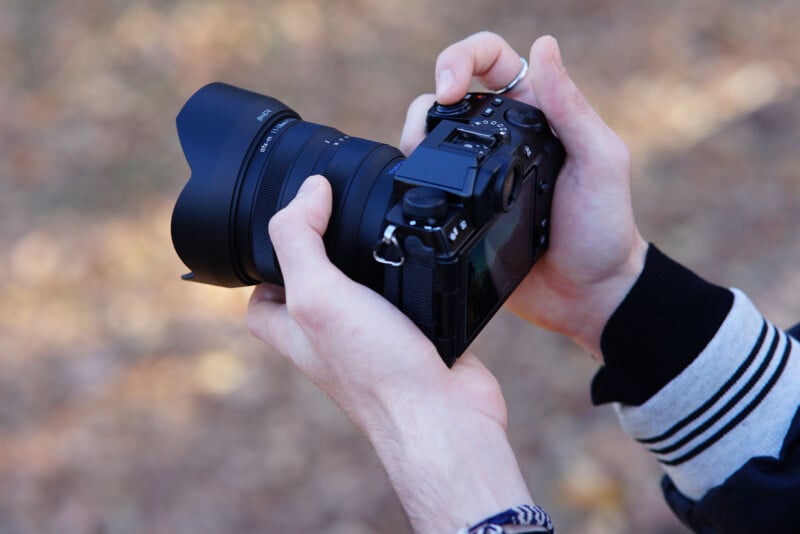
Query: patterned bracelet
x: 524, y: 519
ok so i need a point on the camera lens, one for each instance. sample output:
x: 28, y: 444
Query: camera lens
x: 249, y: 154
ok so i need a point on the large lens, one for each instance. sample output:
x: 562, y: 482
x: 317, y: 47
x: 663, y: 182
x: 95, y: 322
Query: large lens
x: 249, y: 154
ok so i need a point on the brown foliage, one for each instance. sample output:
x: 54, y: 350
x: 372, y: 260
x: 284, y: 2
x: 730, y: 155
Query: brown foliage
x: 133, y: 402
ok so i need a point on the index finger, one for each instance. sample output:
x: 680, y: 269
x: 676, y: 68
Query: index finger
x: 484, y: 55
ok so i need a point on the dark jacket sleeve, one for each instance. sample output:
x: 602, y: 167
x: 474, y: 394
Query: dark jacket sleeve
x: 712, y: 389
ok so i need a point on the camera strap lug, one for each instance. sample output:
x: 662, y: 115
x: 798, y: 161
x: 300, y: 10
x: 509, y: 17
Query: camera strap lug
x: 387, y: 251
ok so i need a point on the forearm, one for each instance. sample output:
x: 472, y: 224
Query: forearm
x: 449, y: 469
x: 706, y: 384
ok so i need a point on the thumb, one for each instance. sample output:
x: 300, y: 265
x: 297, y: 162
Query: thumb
x: 579, y: 127
x: 296, y: 231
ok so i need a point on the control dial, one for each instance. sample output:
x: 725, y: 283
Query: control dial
x: 424, y: 204
x: 527, y: 118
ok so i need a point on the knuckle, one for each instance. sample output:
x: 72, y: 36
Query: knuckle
x: 309, y: 314
x: 312, y: 308
x: 486, y: 35
x: 280, y: 225
x: 579, y: 103
x: 473, y: 46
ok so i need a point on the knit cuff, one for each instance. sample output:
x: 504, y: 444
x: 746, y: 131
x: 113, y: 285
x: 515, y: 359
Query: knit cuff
x: 665, y: 321
x: 735, y: 402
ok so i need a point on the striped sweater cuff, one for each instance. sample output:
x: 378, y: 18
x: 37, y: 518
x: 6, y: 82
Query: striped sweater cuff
x: 726, y: 407
x: 665, y: 321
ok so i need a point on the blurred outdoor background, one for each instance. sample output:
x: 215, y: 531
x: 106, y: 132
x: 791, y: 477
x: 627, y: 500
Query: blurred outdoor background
x: 133, y: 402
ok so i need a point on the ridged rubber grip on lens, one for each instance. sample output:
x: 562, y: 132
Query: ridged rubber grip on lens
x: 268, y: 196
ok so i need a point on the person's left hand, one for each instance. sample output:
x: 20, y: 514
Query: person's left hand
x: 439, y: 432
x: 578, y: 283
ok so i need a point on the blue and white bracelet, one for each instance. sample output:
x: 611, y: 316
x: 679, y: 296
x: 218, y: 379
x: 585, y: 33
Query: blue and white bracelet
x: 524, y: 519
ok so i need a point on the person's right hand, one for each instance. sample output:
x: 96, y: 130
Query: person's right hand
x: 440, y: 433
x: 596, y: 252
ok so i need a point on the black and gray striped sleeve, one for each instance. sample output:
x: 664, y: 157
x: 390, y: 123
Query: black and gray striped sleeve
x: 711, y: 388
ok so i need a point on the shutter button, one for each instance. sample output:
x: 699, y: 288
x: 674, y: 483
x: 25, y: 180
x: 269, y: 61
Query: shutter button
x: 452, y: 109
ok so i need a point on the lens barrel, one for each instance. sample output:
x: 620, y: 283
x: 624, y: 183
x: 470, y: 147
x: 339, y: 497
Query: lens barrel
x: 249, y: 154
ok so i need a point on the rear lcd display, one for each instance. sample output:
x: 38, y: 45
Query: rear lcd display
x: 494, y: 260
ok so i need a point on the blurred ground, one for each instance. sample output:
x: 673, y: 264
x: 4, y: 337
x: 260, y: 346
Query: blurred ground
x: 132, y: 402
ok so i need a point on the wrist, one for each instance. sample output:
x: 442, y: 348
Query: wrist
x: 450, y: 466
x: 577, y: 305
x: 603, y: 297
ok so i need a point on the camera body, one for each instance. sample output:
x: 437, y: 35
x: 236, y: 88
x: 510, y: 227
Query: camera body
x: 445, y: 234
x: 472, y: 216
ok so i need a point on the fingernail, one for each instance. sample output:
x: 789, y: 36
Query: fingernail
x: 557, y: 61
x: 444, y: 81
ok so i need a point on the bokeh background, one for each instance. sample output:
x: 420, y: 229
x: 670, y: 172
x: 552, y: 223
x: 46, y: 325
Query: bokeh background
x: 133, y: 402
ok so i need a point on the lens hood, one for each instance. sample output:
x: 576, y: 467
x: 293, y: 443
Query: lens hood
x: 219, y: 128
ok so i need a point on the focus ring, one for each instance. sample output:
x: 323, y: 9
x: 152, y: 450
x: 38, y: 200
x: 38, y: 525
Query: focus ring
x: 265, y: 204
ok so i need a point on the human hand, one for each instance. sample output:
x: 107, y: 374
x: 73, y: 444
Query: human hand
x: 439, y: 432
x: 596, y: 252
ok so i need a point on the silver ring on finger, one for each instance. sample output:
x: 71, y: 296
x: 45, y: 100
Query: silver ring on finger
x: 522, y: 73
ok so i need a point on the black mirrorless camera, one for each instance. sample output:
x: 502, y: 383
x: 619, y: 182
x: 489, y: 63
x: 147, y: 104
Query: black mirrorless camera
x: 446, y: 234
